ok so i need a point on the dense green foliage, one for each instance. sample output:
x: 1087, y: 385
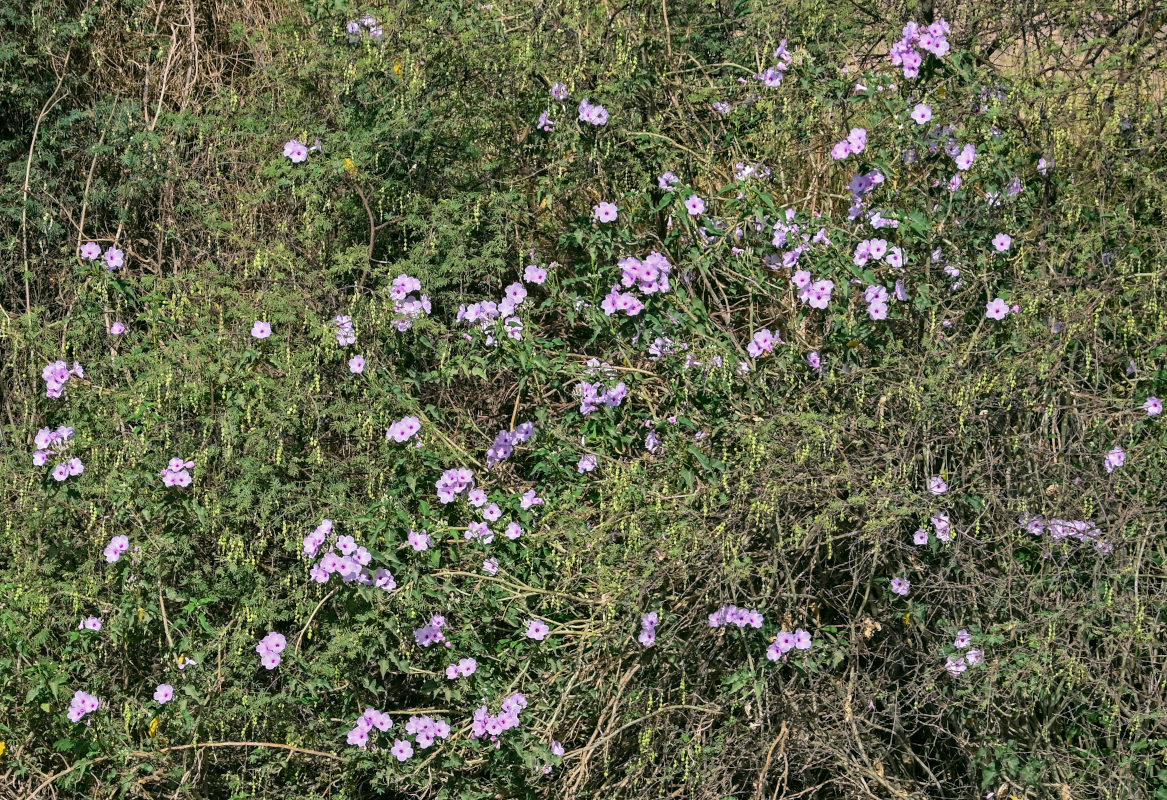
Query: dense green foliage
x: 157, y: 126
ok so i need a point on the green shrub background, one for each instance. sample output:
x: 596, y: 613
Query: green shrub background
x: 161, y: 124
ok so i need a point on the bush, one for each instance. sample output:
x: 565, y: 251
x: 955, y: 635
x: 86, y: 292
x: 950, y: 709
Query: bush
x: 831, y: 375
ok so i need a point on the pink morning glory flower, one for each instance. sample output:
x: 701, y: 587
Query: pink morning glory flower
x: 605, y: 212
x: 356, y: 365
x: 404, y: 429
x: 535, y: 274
x: 955, y: 666
x: 1153, y: 406
x: 936, y: 485
x: 490, y: 566
x: 996, y: 309
x: 90, y: 624
x: 802, y: 640
x: 695, y: 205
x: 920, y: 537
x: 901, y: 586
x: 963, y: 639
x: 1002, y: 242
x: 401, y: 749
x: 90, y: 251
x: 260, y: 329
x: 537, y: 629
x: 117, y: 329
x: 1114, y: 459
x: 164, y: 693
x: 117, y: 546
x: 559, y: 91
x: 113, y: 259
x: 922, y: 114
x: 358, y: 736
x: 419, y: 540
x: 841, y: 150
x: 974, y: 657
x: 295, y: 151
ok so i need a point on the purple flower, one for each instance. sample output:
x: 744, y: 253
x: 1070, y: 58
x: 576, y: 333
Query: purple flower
x: 1153, y: 406
x: 535, y: 274
x: 90, y: 624
x: 530, y: 498
x: 900, y: 586
x: 920, y: 537
x: 117, y: 546
x: 419, y: 540
x: 592, y: 113
x: 401, y: 749
x: 295, y: 151
x: 1002, y: 242
x: 647, y: 637
x: 841, y: 150
x: 667, y: 180
x: 819, y: 293
x: 559, y: 91
x: 695, y: 205
x: 922, y: 114
x: 113, y: 259
x: 117, y: 329
x: 260, y: 329
x: 936, y: 485
x: 802, y: 640
x: 90, y: 251
x: 974, y: 657
x: 545, y: 122
x: 587, y: 463
x: 963, y: 639
x: 82, y: 703
x: 404, y: 429
x: 490, y: 566
x: 964, y: 160
x: 164, y: 693
x: 60, y: 472
x: 537, y: 629
x: 605, y: 212
x: 955, y: 666
x: 556, y: 748
x: 358, y: 736
x: 1114, y: 459
x: 356, y: 365
x: 814, y: 359
x: 996, y: 309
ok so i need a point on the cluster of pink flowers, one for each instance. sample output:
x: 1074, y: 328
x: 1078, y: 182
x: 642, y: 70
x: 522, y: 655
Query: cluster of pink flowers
x: 650, y: 274
x: 116, y: 548
x: 431, y: 633
x: 113, y: 257
x: 83, y: 703
x: 956, y: 665
x: 403, y: 429
x: 855, y: 143
x: 772, y: 76
x: 350, y: 564
x: 486, y: 313
x: 861, y: 186
x: 357, y: 28
x: 453, y: 482
x: 49, y: 443
x: 57, y: 374
x: 505, y: 441
x: 875, y: 250
x: 408, y: 307
x: 424, y: 730
x: 789, y: 234
x: 176, y: 473
x: 369, y: 721
x: 593, y: 113
x: 763, y: 342
x: 786, y: 641
x: 732, y: 615
x: 594, y: 395
x: 463, y: 669
x: 817, y: 294
x: 648, y: 625
x: 1059, y: 529
x: 269, y: 649
x: 932, y: 39
x: 494, y: 725
x: 876, y: 297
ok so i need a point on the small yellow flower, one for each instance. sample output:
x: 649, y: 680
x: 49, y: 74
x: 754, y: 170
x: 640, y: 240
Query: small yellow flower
x: 153, y: 727
x: 397, y: 67
x: 908, y: 618
x: 3, y: 748
x: 350, y: 167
